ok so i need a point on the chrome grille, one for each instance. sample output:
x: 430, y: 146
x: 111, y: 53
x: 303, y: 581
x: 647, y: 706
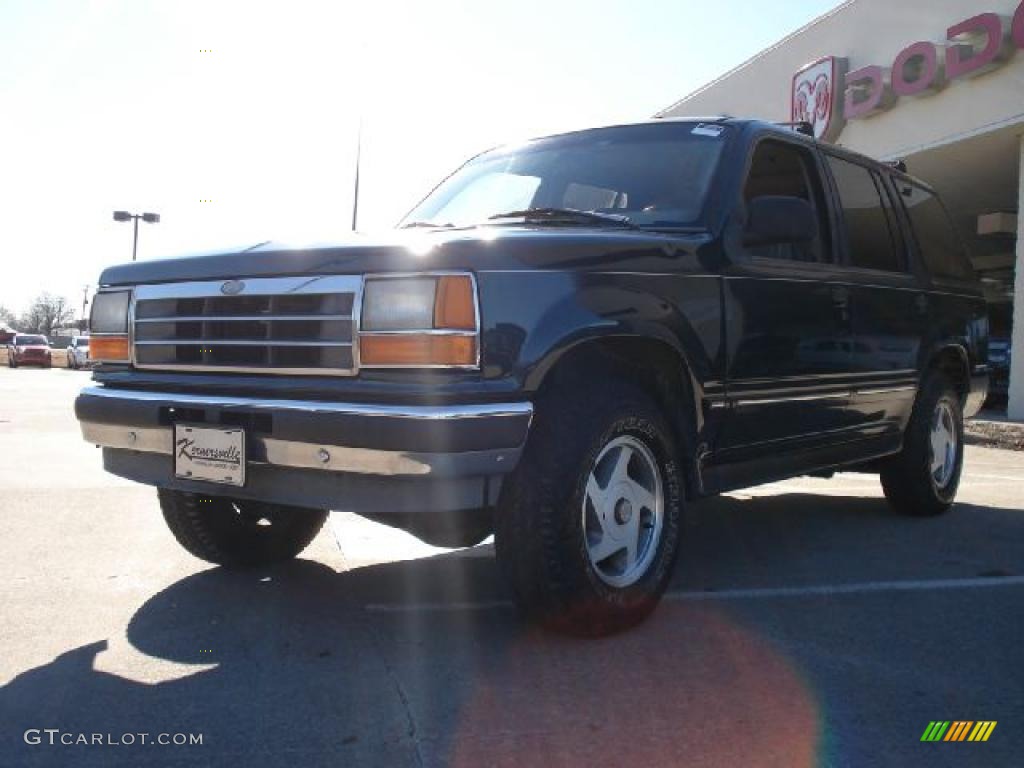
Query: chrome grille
x: 288, y: 325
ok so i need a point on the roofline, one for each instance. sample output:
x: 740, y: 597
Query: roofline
x: 814, y: 22
x: 608, y: 126
x: 782, y: 129
x: 625, y: 124
x: 768, y: 126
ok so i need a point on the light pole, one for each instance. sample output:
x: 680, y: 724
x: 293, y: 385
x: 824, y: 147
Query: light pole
x: 85, y: 303
x: 149, y: 218
x: 355, y: 191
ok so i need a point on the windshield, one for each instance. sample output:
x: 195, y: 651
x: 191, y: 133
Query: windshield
x: 654, y: 175
x: 30, y: 341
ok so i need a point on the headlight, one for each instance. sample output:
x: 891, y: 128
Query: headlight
x: 421, y: 321
x: 108, y: 326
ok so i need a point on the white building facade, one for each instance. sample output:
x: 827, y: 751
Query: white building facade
x: 937, y: 83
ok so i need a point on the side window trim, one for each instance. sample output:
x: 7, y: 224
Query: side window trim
x: 896, y: 235
x: 842, y: 244
x: 842, y: 240
x: 915, y: 260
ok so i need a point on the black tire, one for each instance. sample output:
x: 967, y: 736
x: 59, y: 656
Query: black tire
x: 908, y: 480
x: 541, y: 535
x: 235, y: 533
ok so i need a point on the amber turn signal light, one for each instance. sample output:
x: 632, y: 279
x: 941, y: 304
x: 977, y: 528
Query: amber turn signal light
x: 112, y: 349
x: 415, y: 349
x: 453, y: 303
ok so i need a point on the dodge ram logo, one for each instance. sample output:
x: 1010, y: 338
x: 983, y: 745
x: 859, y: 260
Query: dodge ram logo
x: 232, y: 287
x: 817, y: 97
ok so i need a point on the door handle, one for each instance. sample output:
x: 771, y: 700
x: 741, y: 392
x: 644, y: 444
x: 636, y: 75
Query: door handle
x: 841, y: 302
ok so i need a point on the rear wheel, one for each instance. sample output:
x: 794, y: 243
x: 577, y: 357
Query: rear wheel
x: 238, y: 533
x: 588, y: 525
x: 922, y: 479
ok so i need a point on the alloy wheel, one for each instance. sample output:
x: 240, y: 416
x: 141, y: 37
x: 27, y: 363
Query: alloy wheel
x: 943, y: 448
x: 623, y: 511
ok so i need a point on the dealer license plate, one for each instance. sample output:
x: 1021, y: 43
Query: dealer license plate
x: 212, y: 455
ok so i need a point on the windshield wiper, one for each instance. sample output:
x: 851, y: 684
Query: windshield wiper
x: 430, y: 224
x: 566, y: 215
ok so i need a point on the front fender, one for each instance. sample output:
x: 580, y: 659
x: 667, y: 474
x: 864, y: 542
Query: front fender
x: 531, y: 319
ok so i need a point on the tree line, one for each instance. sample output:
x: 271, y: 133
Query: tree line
x: 44, y: 315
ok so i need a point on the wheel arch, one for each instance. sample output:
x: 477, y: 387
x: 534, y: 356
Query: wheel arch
x: 952, y: 360
x: 656, y: 364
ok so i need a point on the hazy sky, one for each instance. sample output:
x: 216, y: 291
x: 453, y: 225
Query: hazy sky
x: 162, y: 105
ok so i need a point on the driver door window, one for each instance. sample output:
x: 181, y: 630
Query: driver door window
x: 784, y: 170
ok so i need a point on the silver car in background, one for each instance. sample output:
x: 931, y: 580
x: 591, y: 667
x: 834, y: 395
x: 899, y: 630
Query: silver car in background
x: 78, y: 352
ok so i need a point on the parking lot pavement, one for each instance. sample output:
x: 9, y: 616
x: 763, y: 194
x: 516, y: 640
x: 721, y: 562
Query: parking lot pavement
x: 805, y: 625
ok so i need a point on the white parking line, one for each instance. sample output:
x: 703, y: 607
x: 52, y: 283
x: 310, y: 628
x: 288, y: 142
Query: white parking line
x: 454, y: 607
x: 735, y: 594
x: 849, y: 589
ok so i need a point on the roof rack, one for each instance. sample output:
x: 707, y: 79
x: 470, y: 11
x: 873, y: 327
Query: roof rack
x: 801, y: 126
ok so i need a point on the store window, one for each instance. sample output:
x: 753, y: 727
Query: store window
x: 872, y: 234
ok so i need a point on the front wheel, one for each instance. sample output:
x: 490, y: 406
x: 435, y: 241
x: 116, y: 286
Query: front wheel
x: 923, y: 478
x: 588, y: 525
x: 238, y: 533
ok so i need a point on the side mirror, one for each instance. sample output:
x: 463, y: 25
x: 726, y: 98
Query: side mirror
x: 772, y: 220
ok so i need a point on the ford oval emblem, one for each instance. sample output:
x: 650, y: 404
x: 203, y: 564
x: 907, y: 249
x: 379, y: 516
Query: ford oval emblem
x: 232, y: 287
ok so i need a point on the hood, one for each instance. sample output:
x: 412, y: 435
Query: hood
x: 477, y: 249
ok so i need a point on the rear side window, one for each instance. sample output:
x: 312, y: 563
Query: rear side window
x: 937, y: 239
x: 779, y: 169
x: 871, y: 231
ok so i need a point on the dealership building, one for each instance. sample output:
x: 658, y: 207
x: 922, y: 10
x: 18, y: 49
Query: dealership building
x: 936, y: 83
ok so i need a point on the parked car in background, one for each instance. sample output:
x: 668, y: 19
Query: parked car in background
x: 1000, y: 317
x: 29, y: 349
x: 999, y: 357
x: 78, y: 352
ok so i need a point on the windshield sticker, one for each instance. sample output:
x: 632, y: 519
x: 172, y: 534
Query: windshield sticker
x: 714, y: 131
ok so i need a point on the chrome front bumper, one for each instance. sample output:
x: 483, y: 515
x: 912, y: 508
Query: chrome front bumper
x: 366, y: 439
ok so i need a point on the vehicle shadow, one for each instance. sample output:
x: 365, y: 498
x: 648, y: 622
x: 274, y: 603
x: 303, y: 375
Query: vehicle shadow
x: 423, y: 662
x: 793, y: 539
